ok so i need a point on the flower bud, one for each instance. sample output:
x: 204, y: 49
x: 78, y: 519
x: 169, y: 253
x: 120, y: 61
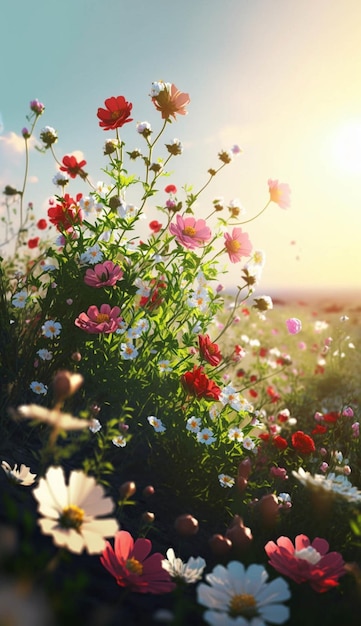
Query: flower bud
x: 148, y: 491
x: 241, y: 483
x: 268, y: 508
x: 220, y: 545
x: 245, y: 467
x: 48, y: 136
x: 110, y: 146
x: 76, y: 356
x: 148, y: 517
x: 65, y: 384
x: 127, y: 489
x: 239, y: 534
x: 186, y: 525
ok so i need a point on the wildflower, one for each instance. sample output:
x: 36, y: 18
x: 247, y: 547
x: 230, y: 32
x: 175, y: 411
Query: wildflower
x: 225, y: 480
x: 70, y: 511
x: 45, y: 355
x: 164, y: 366
x: 21, y: 476
x: 119, y: 441
x: 209, y: 351
x: 144, y: 128
x: 205, y: 436
x: 73, y: 167
x: 33, y: 243
x: 170, y: 189
x: 239, y: 595
x: 279, y: 193
x: 330, y: 484
x: 235, y: 434
x: 128, y: 351
x: 294, y: 325
x: 186, y: 525
x: 198, y: 384
x: 38, y: 388
x: 103, y: 275
x: 67, y: 213
x: 42, y: 224
x: 48, y: 136
x: 156, y: 423
x: 194, y: 424
x: 169, y: 100
x: 263, y: 303
x: 175, y: 147
x: 92, y: 255
x: 104, y: 320
x: 60, y: 179
x: 53, y: 417
x: 130, y: 564
x: 230, y: 396
x: 189, y: 572
x: 155, y: 226
x: 19, y: 299
x: 94, y: 425
x: 303, y: 443
x: 248, y: 443
x: 355, y: 429
x: 37, y: 107
x: 306, y: 562
x: 237, y: 245
x: 116, y: 114
x: 189, y: 232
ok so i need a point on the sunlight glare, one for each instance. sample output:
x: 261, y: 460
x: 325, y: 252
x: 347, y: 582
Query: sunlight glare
x: 347, y: 148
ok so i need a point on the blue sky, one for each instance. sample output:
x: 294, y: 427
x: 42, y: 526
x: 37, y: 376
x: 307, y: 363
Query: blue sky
x: 278, y: 77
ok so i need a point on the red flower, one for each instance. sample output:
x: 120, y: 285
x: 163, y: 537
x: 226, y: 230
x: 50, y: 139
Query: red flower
x: 116, y: 114
x: 253, y: 393
x: 272, y: 393
x: 42, y: 224
x: 130, y: 564
x: 264, y: 436
x: 155, y: 298
x: 331, y: 417
x: 303, y: 443
x: 319, y: 430
x: 198, y: 384
x: 33, y: 243
x: 306, y: 561
x: 155, y: 226
x: 66, y: 214
x: 73, y: 167
x: 263, y: 352
x: 279, y: 442
x: 170, y: 101
x: 170, y: 189
x: 209, y: 351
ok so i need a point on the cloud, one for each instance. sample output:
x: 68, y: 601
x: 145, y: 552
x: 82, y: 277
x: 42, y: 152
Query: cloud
x: 13, y: 143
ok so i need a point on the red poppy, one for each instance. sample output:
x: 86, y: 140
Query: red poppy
x: 66, y: 214
x: 209, y: 351
x: 42, y: 224
x: 33, y: 243
x: 116, y: 114
x: 155, y: 226
x: 279, y: 442
x: 73, y: 167
x: 199, y: 385
x: 303, y: 443
x: 319, y: 430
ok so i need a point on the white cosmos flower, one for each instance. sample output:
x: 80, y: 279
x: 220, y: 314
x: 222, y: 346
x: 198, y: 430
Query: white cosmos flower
x: 53, y: 417
x: 242, y: 596
x: 190, y: 572
x: 69, y: 511
x: 225, y: 480
x: 22, y: 476
x: 332, y: 484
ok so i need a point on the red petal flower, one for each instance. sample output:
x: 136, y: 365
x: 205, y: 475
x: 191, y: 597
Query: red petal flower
x: 33, y: 243
x: 199, y: 385
x: 66, y: 214
x: 209, y: 351
x: 279, y: 442
x: 116, y: 114
x: 42, y: 224
x: 73, y: 167
x: 303, y: 443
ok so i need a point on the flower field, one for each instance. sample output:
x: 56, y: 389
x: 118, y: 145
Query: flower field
x: 171, y: 452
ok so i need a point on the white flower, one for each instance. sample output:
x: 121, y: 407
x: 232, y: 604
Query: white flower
x: 238, y: 596
x: 94, y: 425
x: 38, y: 388
x: 142, y: 325
x: 51, y: 329
x: 45, y: 355
x: 225, y: 480
x: 214, y: 411
x: 205, y: 436
x: 19, y: 299
x: 157, y: 87
x: 189, y: 572
x: 332, y: 484
x: 87, y: 204
x: 70, y: 510
x: 53, y: 417
x: 248, y: 443
x: 127, y: 351
x: 235, y: 434
x: 194, y: 424
x: 164, y: 366
x: 22, y: 476
x: 156, y: 423
x: 92, y: 255
x: 142, y: 127
x: 119, y: 441
x: 231, y: 397
x: 60, y: 179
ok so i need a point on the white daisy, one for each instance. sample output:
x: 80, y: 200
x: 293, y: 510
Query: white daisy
x: 51, y: 329
x: 332, y: 484
x: 205, y: 436
x: 19, y: 299
x: 189, y: 572
x: 39, y: 388
x: 225, y: 480
x: 156, y: 423
x: 22, y: 476
x: 194, y: 424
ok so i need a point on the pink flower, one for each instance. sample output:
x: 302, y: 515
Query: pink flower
x: 131, y: 566
x: 103, y: 275
x: 106, y: 320
x: 279, y: 193
x: 294, y: 325
x: 237, y: 245
x: 306, y: 562
x: 189, y: 232
x: 170, y: 101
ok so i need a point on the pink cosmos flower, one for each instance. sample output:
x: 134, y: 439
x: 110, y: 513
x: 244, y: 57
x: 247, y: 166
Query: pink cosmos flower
x: 131, y: 566
x: 306, y: 561
x: 170, y: 101
x: 294, y: 325
x: 189, y: 232
x: 279, y: 193
x: 94, y: 321
x: 237, y: 245
x: 103, y: 275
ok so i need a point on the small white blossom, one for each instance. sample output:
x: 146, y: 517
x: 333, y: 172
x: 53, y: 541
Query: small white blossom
x: 22, y: 476
x: 51, y: 329
x: 60, y: 179
x: 189, y: 572
x: 205, y: 436
x: 156, y: 423
x: 194, y: 424
x: 164, y: 366
x: 19, y: 299
x: 95, y: 425
x: 128, y: 352
x: 248, y: 443
x: 235, y: 434
x: 38, y: 388
x: 92, y: 255
x: 119, y: 441
x: 225, y: 480
x: 45, y: 355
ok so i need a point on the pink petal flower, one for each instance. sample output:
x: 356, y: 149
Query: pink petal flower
x: 279, y: 193
x: 294, y: 325
x: 237, y: 245
x: 103, y: 275
x: 104, y: 320
x: 189, y: 232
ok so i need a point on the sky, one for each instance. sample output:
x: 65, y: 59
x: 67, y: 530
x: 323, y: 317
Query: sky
x: 280, y: 78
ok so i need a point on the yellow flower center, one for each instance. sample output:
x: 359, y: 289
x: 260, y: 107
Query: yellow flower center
x: 116, y: 114
x: 102, y: 317
x: 190, y: 231
x: 72, y: 517
x: 233, y: 246
x: 134, y: 567
x: 243, y: 604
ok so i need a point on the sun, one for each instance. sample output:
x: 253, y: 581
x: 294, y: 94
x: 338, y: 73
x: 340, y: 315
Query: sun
x: 346, y: 147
